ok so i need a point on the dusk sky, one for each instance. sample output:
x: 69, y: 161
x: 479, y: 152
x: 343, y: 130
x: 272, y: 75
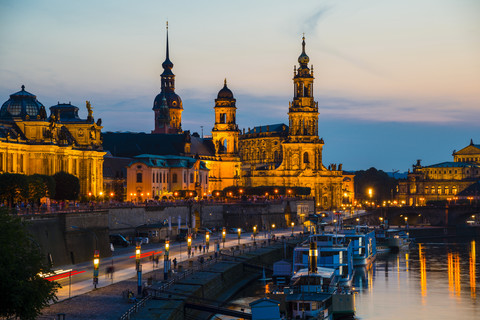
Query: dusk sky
x: 395, y: 81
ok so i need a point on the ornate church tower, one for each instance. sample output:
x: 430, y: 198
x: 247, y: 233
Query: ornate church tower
x: 303, y: 148
x: 303, y: 110
x: 225, y: 131
x: 225, y: 170
x: 167, y: 105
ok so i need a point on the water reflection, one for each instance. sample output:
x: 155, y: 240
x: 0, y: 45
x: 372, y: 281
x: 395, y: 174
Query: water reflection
x: 472, y: 261
x: 433, y: 281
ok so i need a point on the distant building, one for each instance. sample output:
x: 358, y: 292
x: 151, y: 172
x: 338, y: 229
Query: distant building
x: 152, y: 177
x: 32, y: 142
x: 441, y: 181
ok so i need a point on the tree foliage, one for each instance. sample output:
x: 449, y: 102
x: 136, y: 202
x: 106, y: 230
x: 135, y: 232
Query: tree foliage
x: 40, y: 186
x: 23, y: 292
x: 13, y: 187
x: 383, y: 186
x: 67, y: 186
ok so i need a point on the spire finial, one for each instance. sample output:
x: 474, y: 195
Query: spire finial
x: 167, y: 43
x: 471, y: 142
x: 225, y: 82
x: 23, y: 87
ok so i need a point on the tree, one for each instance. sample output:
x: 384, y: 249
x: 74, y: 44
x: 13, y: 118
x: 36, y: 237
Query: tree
x: 13, y: 187
x: 23, y: 292
x: 67, y: 186
x: 383, y: 186
x: 40, y: 186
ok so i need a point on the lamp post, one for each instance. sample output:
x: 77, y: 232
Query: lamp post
x: 254, y: 233
x: 293, y: 225
x: 189, y: 245
x: 165, y: 259
x: 207, y: 240
x: 406, y: 222
x: 239, y: 234
x: 138, y: 252
x: 273, y: 227
x: 224, y: 234
x: 96, y: 263
x: 358, y: 221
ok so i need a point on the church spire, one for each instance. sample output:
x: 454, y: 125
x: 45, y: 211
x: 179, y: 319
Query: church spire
x: 167, y: 64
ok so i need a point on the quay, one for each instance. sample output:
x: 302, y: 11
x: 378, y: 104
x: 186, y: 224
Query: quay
x: 211, y: 283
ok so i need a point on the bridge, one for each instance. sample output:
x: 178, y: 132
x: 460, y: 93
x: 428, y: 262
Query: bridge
x: 448, y: 215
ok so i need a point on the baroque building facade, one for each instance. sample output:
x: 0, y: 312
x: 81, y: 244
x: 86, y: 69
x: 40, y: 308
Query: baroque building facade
x: 280, y: 155
x: 32, y: 142
x: 441, y: 181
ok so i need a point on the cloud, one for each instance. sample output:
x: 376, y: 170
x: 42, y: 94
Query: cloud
x: 311, y: 23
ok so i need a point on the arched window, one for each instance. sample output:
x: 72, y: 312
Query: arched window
x: 439, y: 190
x: 454, y: 190
x: 426, y: 190
x: 174, y: 178
x: 191, y: 177
x: 139, y: 177
x: 305, y: 158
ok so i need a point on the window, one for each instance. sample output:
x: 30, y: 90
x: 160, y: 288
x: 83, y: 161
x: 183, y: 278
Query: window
x: 223, y: 117
x: 426, y: 190
x: 439, y: 190
x: 191, y: 177
x: 139, y: 177
x: 454, y: 190
x: 174, y: 178
x: 153, y: 177
x: 446, y: 190
x: 184, y: 177
x: 305, y: 158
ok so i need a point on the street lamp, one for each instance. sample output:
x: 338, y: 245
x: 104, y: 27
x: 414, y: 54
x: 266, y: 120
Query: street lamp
x: 224, y: 234
x: 207, y: 240
x: 239, y: 234
x: 406, y: 222
x: 189, y: 245
x: 358, y: 221
x: 138, y: 252
x: 293, y: 225
x: 96, y: 263
x: 254, y: 233
x: 165, y: 259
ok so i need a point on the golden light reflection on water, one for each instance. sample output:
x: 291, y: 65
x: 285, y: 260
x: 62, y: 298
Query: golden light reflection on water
x: 453, y: 269
x: 450, y: 273
x: 423, y: 272
x: 472, y: 271
x: 406, y: 262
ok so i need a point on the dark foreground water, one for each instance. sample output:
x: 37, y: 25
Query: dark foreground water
x: 432, y: 280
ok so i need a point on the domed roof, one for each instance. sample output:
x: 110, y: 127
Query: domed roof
x: 173, y: 100
x: 225, y: 93
x: 303, y: 59
x: 66, y: 112
x: 22, y: 104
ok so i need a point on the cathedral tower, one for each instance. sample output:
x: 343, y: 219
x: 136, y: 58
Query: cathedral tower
x: 167, y: 105
x: 303, y: 148
x: 225, y: 131
x: 303, y: 110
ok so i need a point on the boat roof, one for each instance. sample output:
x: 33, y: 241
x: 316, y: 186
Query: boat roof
x: 321, y: 272
x: 308, y: 296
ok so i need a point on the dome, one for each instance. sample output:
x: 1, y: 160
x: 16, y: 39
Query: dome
x: 225, y: 93
x: 24, y: 105
x: 303, y: 59
x: 66, y: 111
x: 173, y: 100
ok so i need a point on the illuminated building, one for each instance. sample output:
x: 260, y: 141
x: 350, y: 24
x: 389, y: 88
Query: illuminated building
x: 151, y: 176
x: 269, y: 155
x: 441, y: 181
x: 281, y: 155
x: 32, y: 142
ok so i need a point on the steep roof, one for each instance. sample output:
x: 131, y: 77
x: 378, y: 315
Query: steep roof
x: 278, y: 127
x: 167, y: 161
x: 131, y: 144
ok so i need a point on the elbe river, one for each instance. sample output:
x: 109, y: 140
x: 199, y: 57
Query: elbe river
x: 430, y: 280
